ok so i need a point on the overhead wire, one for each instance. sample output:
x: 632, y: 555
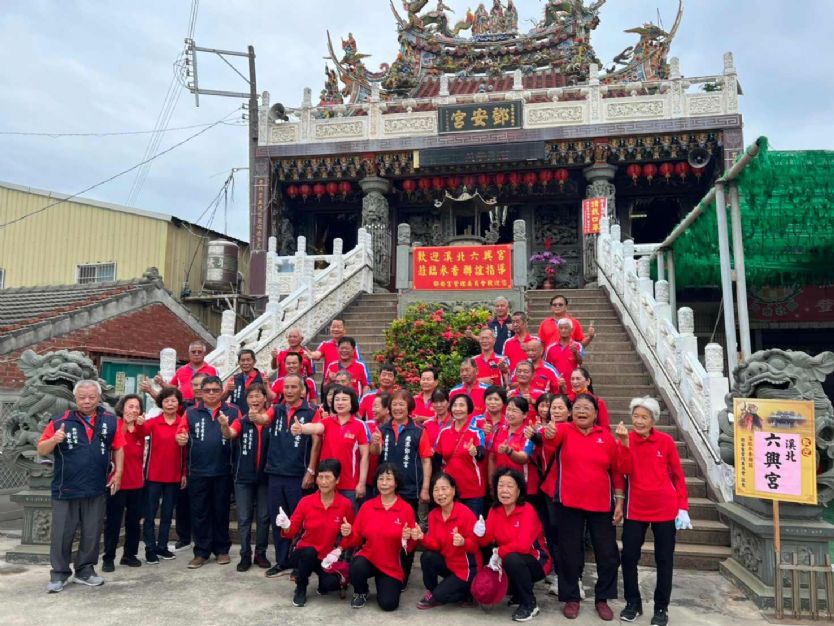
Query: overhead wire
x: 114, y: 133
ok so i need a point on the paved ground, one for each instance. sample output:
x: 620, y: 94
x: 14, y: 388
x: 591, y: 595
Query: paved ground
x: 170, y: 594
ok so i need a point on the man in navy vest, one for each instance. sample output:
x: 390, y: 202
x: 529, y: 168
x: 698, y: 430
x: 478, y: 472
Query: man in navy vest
x: 209, y: 473
x: 83, y: 442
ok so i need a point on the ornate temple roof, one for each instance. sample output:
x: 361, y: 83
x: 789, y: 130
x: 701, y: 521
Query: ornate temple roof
x: 479, y: 51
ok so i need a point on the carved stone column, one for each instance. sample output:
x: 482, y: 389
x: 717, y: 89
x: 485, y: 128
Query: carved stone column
x: 599, y: 176
x: 376, y: 220
x: 403, y: 256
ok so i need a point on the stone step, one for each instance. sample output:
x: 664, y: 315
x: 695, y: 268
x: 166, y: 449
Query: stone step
x: 381, y: 318
x: 697, y: 488
x: 702, y: 509
x: 702, y: 557
x: 616, y: 356
x: 704, y: 532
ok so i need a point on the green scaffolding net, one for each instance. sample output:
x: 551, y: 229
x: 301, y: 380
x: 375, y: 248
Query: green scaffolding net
x: 787, y: 214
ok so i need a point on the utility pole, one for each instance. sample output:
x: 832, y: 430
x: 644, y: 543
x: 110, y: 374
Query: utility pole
x: 257, y: 191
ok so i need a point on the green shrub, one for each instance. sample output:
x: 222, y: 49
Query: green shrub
x: 432, y: 335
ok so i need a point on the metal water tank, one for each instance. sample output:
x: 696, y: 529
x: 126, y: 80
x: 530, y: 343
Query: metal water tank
x: 221, y: 265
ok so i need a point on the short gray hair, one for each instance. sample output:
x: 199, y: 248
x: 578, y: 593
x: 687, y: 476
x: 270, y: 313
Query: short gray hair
x: 648, y: 403
x: 502, y: 299
x: 564, y: 322
x: 86, y: 383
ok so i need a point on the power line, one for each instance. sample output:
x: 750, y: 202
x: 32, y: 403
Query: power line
x: 115, y: 176
x: 112, y: 134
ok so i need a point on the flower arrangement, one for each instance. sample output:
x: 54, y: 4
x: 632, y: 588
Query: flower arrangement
x: 551, y: 260
x: 434, y: 336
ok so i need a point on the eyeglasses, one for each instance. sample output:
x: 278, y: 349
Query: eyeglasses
x: 212, y: 390
x: 196, y: 351
x: 558, y: 304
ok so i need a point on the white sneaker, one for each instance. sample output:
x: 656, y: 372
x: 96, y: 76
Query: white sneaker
x: 56, y: 586
x: 550, y: 578
x: 93, y: 580
x: 581, y: 591
x: 554, y: 588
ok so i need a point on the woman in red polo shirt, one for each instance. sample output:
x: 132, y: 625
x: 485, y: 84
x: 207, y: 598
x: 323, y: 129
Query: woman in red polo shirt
x: 511, y: 448
x: 514, y: 531
x: 164, y: 474
x: 589, y: 466
x: 317, y: 521
x: 382, y: 532
x: 581, y: 382
x: 657, y: 497
x: 451, y: 555
x: 128, y: 502
x: 461, y: 446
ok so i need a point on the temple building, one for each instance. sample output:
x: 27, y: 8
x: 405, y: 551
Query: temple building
x: 476, y: 124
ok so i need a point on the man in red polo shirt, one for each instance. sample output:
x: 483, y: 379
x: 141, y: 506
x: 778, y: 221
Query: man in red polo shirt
x: 292, y: 361
x: 386, y: 380
x: 470, y: 385
x: 491, y: 366
x: 196, y: 363
x: 514, y: 349
x: 294, y: 339
x: 545, y: 376
x: 548, y: 331
x: 565, y: 354
x: 347, y: 361
x: 328, y: 350
x: 423, y: 403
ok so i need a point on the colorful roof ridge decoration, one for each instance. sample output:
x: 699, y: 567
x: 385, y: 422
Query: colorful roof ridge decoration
x: 477, y: 50
x: 787, y: 220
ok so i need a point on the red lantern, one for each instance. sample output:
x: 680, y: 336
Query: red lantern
x: 469, y: 182
x: 562, y: 176
x: 500, y: 179
x: 649, y: 171
x: 345, y: 188
x: 292, y: 191
x: 545, y: 176
x: 666, y: 170
x: 438, y: 183
x: 424, y: 184
x: 483, y: 181
x: 682, y: 169
x: 530, y: 179
x: 452, y: 183
x: 305, y: 190
x: 332, y: 188
x: 514, y: 178
x: 634, y: 171
x: 409, y: 185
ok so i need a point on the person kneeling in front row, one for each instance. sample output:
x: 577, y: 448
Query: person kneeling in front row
x: 321, y: 519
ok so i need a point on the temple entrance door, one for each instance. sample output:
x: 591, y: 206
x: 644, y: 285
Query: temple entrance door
x: 652, y: 219
x: 329, y: 226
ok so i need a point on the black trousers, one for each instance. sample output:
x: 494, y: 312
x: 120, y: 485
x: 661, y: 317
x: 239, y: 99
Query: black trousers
x: 634, y: 534
x: 572, y: 524
x: 127, y: 505
x: 306, y: 562
x: 551, y: 533
x: 408, y: 559
x: 388, y: 588
x: 183, y: 516
x: 210, y: 514
x: 283, y: 492
x: 445, y: 587
x: 523, y: 571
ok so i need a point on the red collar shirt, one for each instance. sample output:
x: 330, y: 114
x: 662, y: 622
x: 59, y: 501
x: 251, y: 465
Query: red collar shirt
x: 166, y: 458
x: 182, y: 378
x: 318, y: 526
x: 488, y: 368
x: 519, y: 532
x: 563, y: 358
x: 518, y: 442
x: 423, y: 408
x: 461, y: 560
x: 342, y: 442
x: 132, y: 475
x: 453, y: 447
x: 433, y: 427
x: 476, y: 392
x: 656, y: 485
x: 306, y: 364
x: 378, y: 533
x: 514, y: 349
x: 549, y: 331
x: 357, y: 370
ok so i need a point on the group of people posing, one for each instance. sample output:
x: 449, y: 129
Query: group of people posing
x: 508, y: 471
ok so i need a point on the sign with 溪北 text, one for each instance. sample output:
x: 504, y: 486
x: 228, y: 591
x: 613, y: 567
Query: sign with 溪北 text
x: 463, y: 267
x: 458, y: 118
x: 775, y: 449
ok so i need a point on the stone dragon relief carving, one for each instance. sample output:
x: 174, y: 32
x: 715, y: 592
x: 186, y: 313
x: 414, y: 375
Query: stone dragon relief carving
x: 787, y: 375
x: 50, y: 379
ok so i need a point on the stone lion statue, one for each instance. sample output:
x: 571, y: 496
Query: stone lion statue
x: 50, y: 378
x: 787, y: 375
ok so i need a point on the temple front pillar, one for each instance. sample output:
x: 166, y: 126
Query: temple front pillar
x: 600, y: 177
x: 376, y: 220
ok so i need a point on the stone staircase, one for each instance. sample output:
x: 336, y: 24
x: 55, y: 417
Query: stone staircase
x: 619, y: 375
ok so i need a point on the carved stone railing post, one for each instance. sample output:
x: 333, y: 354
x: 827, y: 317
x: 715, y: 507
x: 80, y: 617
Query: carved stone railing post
x: 366, y: 243
x: 226, y: 342
x: 718, y: 386
x: 273, y: 287
x: 404, y: 255
x: 376, y: 219
x: 520, y: 256
x: 628, y: 267
x: 338, y: 262
x: 662, y: 310
x: 299, y: 263
x: 167, y: 363
x: 604, y: 244
x: 644, y: 280
x: 687, y: 342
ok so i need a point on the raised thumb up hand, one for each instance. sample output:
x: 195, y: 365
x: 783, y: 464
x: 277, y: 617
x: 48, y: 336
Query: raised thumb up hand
x: 281, y: 520
x: 480, y: 527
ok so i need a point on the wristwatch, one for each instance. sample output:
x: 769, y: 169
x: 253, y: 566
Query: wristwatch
x: 310, y: 472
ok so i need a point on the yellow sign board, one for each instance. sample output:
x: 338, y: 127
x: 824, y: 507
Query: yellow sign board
x: 775, y: 449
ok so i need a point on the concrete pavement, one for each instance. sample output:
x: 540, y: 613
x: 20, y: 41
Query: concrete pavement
x: 169, y: 594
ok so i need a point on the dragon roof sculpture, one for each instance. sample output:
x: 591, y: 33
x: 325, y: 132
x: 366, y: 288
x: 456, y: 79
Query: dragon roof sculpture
x: 487, y: 43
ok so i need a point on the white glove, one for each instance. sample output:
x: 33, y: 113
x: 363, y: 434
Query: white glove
x: 331, y: 558
x: 682, y: 521
x: 281, y: 520
x: 495, y: 561
x: 479, y: 529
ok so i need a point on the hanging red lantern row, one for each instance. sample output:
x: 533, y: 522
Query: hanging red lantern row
x: 682, y: 169
x: 666, y: 170
x: 319, y: 190
x: 545, y: 176
x: 562, y: 176
x: 650, y: 171
x: 292, y: 191
x: 409, y: 186
x: 530, y: 179
x: 424, y: 184
x: 305, y: 190
x: 634, y: 171
x: 332, y: 188
x: 345, y: 187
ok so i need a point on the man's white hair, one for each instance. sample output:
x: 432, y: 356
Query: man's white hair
x: 86, y: 383
x: 648, y: 403
x: 502, y: 299
x: 564, y: 322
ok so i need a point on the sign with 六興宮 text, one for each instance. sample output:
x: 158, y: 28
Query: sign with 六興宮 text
x: 463, y: 267
x: 459, y: 118
x: 775, y: 449
x: 592, y: 211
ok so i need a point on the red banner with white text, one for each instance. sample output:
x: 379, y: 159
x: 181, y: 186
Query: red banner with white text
x: 463, y: 267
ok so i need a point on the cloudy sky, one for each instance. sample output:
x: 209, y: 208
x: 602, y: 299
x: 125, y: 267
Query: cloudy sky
x: 84, y: 66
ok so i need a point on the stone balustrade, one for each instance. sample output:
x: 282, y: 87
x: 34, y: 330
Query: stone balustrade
x: 592, y: 103
x: 693, y: 391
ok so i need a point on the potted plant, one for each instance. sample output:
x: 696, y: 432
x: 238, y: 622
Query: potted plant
x: 550, y: 260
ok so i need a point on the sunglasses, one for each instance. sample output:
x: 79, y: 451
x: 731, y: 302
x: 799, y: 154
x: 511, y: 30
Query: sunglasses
x: 212, y: 390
